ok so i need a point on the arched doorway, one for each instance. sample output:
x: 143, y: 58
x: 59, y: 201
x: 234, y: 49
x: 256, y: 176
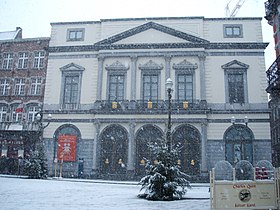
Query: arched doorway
x: 114, y: 144
x: 239, y: 144
x: 188, y: 139
x: 67, y: 138
x: 146, y: 134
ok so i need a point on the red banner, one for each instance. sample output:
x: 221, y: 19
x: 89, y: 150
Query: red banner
x: 66, y: 148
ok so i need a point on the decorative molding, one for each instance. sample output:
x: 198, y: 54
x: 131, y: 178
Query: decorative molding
x: 185, y: 65
x: 72, y: 67
x: 117, y: 66
x: 235, y: 65
x: 150, y: 65
x: 149, y: 46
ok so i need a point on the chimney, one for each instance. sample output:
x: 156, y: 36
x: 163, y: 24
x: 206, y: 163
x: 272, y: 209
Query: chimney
x: 18, y: 34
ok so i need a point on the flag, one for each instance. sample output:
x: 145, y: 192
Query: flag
x: 19, y: 109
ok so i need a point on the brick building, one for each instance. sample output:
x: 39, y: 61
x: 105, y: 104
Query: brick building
x: 23, y: 65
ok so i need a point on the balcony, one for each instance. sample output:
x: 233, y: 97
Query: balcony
x: 143, y: 106
x: 19, y: 126
x: 272, y: 75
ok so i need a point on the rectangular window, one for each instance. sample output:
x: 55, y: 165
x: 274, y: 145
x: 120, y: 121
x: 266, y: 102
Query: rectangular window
x: 75, y: 35
x: 150, y: 87
x: 4, y: 87
x: 185, y: 87
x: 22, y: 60
x: 39, y: 59
x: 36, y: 84
x: 3, y: 113
x: 32, y: 111
x: 71, y: 88
x: 232, y: 31
x: 7, y: 60
x: 19, y: 86
x: 116, y: 87
x: 236, y: 88
x: 16, y: 116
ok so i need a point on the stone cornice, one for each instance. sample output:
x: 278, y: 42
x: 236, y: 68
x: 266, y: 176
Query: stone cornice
x: 208, y: 46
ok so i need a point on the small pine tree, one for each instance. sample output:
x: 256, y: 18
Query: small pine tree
x: 164, y: 180
x: 35, y: 166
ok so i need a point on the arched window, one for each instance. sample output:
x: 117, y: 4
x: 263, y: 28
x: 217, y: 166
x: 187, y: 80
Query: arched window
x: 188, y: 139
x: 238, y: 141
x: 114, y: 144
x: 146, y: 134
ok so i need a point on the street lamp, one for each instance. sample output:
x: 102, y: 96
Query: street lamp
x: 169, y: 85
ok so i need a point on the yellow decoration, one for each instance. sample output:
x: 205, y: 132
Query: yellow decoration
x: 179, y: 162
x: 107, y: 161
x: 114, y: 105
x: 185, y: 104
x: 192, y: 162
x: 150, y: 104
x: 120, y: 161
x: 155, y: 162
x: 142, y: 162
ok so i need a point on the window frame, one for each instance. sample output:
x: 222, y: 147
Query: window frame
x: 23, y: 60
x: 7, y: 60
x: 5, y: 87
x: 75, y: 31
x: 38, y: 62
x: 36, y: 86
x: 232, y: 27
x: 110, y: 83
x: 71, y: 70
x: 19, y: 86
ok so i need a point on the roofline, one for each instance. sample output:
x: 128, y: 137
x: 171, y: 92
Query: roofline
x: 26, y: 39
x: 155, y: 18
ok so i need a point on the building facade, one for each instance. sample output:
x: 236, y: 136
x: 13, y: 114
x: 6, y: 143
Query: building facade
x: 23, y: 65
x: 106, y: 91
x: 273, y: 88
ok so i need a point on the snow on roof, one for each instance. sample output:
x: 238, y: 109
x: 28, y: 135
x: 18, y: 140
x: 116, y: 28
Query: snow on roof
x: 7, y: 35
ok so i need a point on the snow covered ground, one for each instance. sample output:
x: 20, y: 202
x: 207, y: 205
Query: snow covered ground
x: 30, y: 194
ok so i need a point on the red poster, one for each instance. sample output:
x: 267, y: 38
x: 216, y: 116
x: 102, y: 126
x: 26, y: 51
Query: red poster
x: 66, y: 148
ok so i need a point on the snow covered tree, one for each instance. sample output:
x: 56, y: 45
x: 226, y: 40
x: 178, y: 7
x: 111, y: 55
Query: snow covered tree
x: 164, y: 180
x: 35, y: 166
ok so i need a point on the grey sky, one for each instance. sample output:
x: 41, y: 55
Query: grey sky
x: 35, y: 16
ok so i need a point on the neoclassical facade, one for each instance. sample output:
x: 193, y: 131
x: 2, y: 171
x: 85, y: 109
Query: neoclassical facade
x: 105, y: 89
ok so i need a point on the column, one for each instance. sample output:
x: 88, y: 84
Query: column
x: 167, y: 66
x: 95, y: 148
x: 100, y: 78
x: 131, y: 148
x: 133, y: 78
x: 204, y: 171
x: 202, y: 77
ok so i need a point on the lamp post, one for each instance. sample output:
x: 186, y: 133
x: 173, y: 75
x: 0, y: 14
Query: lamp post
x: 169, y: 85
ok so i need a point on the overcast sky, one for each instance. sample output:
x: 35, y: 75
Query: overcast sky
x: 35, y: 16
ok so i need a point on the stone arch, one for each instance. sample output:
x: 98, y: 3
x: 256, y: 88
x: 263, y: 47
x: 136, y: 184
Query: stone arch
x: 188, y: 139
x: 114, y: 150
x: 238, y: 140
x: 146, y: 134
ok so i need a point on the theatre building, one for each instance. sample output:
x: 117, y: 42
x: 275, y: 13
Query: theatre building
x: 23, y: 65
x: 106, y: 91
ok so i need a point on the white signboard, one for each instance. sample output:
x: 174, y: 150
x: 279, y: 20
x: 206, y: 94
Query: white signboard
x: 244, y: 195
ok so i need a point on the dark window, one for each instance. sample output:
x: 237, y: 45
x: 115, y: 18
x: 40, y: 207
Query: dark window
x: 71, y: 88
x: 22, y: 60
x: 7, y: 60
x: 185, y: 87
x: 116, y: 87
x: 150, y: 87
x: 236, y: 88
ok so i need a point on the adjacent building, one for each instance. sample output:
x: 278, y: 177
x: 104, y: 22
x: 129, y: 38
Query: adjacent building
x: 23, y: 65
x: 106, y: 90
